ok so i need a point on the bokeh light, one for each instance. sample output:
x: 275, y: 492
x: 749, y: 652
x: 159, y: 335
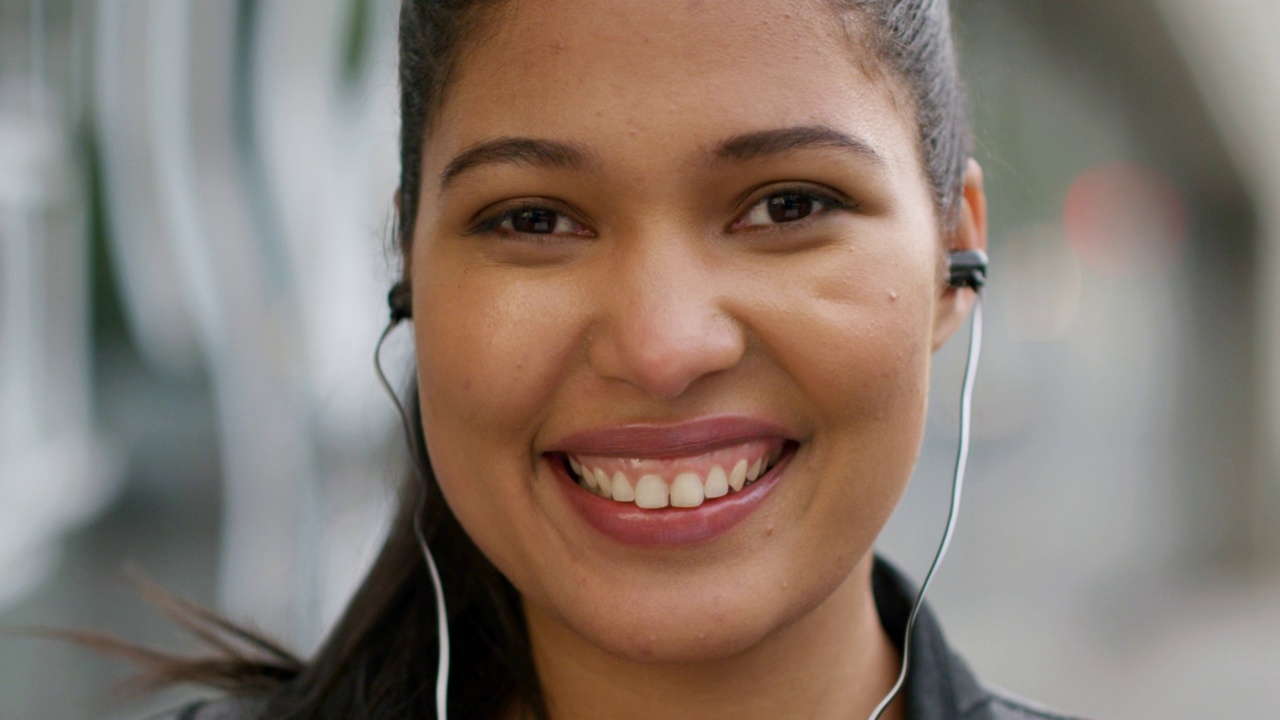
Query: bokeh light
x: 1125, y: 218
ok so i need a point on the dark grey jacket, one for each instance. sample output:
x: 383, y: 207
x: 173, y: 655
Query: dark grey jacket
x: 939, y: 686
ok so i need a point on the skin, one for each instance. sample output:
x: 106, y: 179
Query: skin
x: 658, y: 302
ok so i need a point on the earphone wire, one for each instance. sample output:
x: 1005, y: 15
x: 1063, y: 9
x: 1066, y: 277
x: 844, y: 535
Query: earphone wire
x: 957, y: 485
x: 442, y: 617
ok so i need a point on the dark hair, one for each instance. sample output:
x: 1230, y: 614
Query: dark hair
x: 914, y: 39
x: 379, y: 662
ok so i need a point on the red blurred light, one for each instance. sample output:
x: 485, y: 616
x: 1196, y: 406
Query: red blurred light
x: 1124, y: 219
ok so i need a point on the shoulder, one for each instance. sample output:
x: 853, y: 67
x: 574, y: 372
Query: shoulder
x: 228, y: 708
x: 996, y: 704
x: 940, y: 685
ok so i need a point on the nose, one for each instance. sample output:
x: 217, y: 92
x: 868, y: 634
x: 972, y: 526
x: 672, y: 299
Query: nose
x: 666, y: 321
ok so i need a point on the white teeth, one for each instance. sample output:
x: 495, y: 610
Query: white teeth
x: 589, y: 479
x: 651, y: 492
x: 717, y: 483
x: 603, y: 483
x: 686, y: 491
x: 738, y: 476
x: 622, y: 491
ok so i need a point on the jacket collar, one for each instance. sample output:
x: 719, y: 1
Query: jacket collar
x: 939, y: 686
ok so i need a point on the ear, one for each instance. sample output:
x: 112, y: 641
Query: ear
x: 954, y: 304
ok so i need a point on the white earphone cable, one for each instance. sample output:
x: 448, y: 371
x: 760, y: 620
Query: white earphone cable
x: 957, y: 485
x: 442, y: 617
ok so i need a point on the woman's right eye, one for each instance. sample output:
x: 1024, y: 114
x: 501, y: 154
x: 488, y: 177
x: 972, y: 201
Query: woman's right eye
x: 532, y: 220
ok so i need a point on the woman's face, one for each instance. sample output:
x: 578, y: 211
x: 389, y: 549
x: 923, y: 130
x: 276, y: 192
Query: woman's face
x: 659, y: 242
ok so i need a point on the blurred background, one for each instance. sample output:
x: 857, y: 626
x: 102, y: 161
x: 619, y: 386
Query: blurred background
x: 195, y: 209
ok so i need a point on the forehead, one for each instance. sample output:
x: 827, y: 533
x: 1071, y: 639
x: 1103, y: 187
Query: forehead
x: 666, y: 72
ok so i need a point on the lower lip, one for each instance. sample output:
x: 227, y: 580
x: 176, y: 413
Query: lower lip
x: 631, y: 525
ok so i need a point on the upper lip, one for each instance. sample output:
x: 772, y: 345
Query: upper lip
x: 689, y: 437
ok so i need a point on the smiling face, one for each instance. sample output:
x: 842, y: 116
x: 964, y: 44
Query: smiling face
x: 659, y: 246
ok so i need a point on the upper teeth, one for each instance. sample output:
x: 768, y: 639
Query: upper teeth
x: 648, y: 488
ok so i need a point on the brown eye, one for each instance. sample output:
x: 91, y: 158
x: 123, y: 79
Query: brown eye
x: 789, y: 207
x: 536, y: 221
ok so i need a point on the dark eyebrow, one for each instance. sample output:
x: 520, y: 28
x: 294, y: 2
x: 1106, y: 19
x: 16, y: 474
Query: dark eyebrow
x: 752, y: 145
x: 517, y: 151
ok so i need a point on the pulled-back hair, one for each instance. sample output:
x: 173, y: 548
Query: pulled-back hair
x: 379, y: 661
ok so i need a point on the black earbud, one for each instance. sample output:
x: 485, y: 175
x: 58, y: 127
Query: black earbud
x: 967, y: 268
x: 400, y: 300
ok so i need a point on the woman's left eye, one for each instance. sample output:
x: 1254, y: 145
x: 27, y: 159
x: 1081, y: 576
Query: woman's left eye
x: 788, y: 206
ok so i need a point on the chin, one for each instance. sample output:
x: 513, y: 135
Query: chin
x: 701, y: 619
x: 679, y: 641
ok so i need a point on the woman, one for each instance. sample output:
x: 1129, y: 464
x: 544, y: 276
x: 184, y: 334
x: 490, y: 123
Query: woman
x: 676, y: 269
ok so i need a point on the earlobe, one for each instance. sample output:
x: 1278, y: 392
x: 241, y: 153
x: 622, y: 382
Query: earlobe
x: 970, y: 233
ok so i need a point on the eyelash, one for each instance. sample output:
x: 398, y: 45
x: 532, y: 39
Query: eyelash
x: 825, y: 202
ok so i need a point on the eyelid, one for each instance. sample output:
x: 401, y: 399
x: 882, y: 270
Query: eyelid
x: 834, y: 199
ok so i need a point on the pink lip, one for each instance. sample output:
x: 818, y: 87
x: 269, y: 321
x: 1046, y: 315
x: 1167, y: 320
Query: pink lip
x: 631, y: 525
x: 655, y: 441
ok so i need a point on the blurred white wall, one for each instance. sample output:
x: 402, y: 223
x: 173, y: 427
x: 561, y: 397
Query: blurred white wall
x: 253, y: 175
x: 54, y: 469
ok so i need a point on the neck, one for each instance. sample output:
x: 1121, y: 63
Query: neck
x: 834, y: 663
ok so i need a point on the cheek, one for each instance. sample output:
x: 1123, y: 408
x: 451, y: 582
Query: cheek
x: 490, y: 354
x: 854, y: 339
x: 490, y: 357
x: 493, y: 349
x: 854, y: 332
